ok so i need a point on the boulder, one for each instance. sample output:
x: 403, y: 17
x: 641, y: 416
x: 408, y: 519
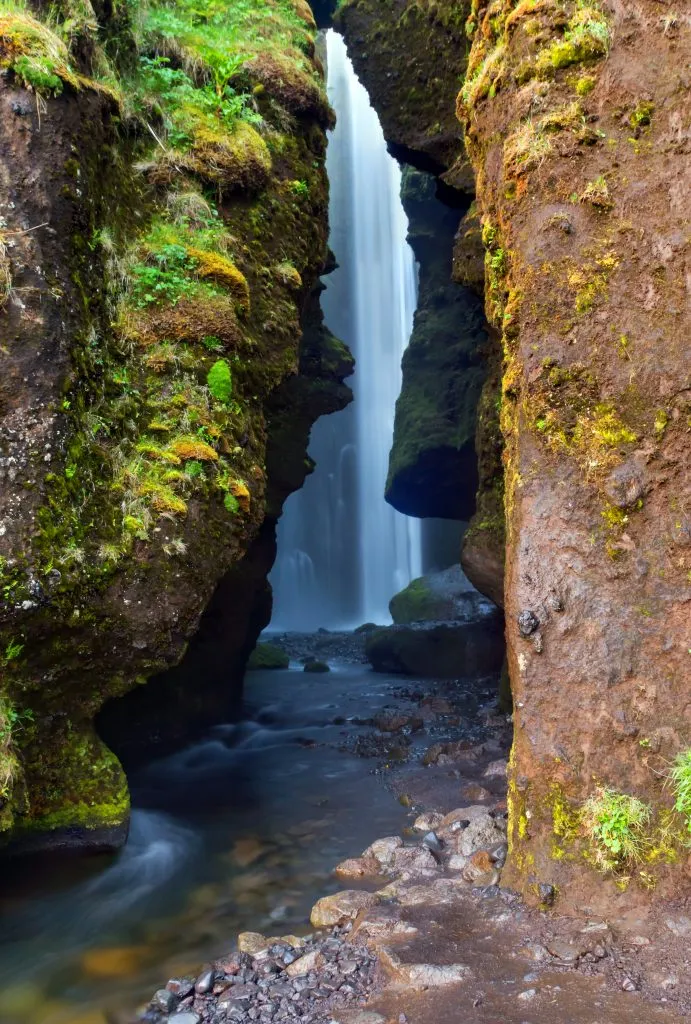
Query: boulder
x: 341, y: 907
x: 438, y: 650
x: 445, y: 596
x: 267, y: 656
x: 314, y: 665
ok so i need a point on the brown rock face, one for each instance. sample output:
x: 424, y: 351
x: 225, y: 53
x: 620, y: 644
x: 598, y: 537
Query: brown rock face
x: 578, y: 132
x: 582, y: 164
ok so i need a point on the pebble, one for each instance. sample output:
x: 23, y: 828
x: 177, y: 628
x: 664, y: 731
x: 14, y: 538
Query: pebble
x: 165, y: 1000
x: 280, y: 984
x: 205, y: 982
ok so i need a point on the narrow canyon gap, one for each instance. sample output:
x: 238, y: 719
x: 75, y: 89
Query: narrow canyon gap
x: 342, y: 552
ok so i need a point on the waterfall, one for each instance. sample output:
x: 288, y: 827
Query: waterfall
x: 342, y: 551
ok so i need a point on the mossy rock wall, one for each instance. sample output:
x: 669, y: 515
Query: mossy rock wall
x: 433, y: 465
x: 595, y: 417
x: 160, y: 253
x: 409, y: 55
x: 569, y: 113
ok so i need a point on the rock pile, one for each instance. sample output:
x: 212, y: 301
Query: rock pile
x: 278, y: 980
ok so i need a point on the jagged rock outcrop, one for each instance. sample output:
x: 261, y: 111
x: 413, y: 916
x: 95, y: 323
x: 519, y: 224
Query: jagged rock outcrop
x: 447, y: 442
x: 159, y: 252
x: 409, y: 54
x: 433, y: 466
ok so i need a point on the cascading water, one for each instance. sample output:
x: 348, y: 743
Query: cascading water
x: 342, y: 551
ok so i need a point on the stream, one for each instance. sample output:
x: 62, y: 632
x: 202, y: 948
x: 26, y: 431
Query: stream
x: 239, y: 831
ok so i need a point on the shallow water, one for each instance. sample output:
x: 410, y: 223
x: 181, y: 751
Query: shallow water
x: 239, y: 831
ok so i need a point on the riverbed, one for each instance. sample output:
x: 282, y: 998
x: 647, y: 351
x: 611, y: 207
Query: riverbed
x: 241, y: 830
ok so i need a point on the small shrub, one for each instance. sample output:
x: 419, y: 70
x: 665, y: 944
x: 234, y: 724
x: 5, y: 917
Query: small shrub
x: 615, y: 823
x: 680, y: 774
x: 220, y: 381
x: 597, y: 194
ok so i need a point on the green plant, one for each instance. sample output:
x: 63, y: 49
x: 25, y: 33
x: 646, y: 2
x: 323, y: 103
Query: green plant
x: 614, y: 823
x: 12, y: 651
x: 220, y: 381
x: 300, y: 188
x: 680, y: 775
x: 166, y: 278
x: 231, y: 503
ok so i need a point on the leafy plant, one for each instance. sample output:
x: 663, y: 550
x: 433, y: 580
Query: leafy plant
x: 220, y: 381
x: 167, y: 278
x: 680, y: 774
x: 12, y: 651
x: 615, y: 825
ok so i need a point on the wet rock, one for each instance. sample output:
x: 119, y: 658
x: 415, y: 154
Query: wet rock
x: 340, y: 907
x: 481, y: 834
x: 446, y: 596
x: 311, y: 961
x: 397, y: 721
x: 205, y: 982
x: 164, y: 1000
x: 547, y: 894
x: 414, y: 862
x: 428, y: 822
x: 180, y: 987
x: 357, y: 867
x: 314, y: 665
x: 453, y: 820
x: 421, y: 975
x: 433, y: 843
x: 474, y: 791
x: 382, y: 850
x: 438, y: 650
x: 496, y: 769
x: 528, y: 622
x: 252, y: 942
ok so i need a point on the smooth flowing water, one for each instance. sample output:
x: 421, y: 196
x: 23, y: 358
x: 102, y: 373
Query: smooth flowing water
x: 342, y: 551
x: 240, y: 831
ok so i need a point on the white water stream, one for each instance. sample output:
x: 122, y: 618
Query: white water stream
x: 342, y: 551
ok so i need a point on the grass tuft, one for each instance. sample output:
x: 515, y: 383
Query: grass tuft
x: 680, y: 774
x: 615, y: 825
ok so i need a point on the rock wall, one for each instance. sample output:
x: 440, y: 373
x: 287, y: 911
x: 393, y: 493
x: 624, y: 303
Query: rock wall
x: 433, y: 466
x: 580, y: 146
x: 575, y: 123
x: 161, y: 244
x: 446, y: 459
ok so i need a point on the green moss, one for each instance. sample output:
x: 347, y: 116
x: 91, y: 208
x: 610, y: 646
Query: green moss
x: 267, y: 656
x: 220, y: 381
x: 587, y: 37
x: 642, y: 115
